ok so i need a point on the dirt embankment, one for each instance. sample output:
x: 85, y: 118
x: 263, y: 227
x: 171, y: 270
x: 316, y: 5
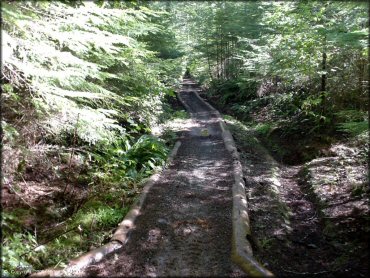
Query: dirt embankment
x: 308, y: 205
x: 307, y: 219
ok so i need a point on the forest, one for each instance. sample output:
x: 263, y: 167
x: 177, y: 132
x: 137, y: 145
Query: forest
x: 89, y: 112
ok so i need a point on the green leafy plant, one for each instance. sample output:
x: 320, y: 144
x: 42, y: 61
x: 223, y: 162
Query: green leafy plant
x: 88, y: 78
x: 99, y: 214
x: 354, y: 128
x: 266, y: 243
x: 18, y: 253
x: 353, y: 122
x: 126, y: 161
x: 264, y: 129
x: 148, y: 152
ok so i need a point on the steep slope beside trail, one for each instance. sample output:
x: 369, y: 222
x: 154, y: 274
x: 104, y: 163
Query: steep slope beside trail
x: 185, y: 226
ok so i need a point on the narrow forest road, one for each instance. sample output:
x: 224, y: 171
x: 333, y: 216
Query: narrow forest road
x: 185, y: 226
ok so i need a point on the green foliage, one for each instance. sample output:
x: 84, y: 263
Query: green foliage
x: 264, y: 129
x: 181, y: 114
x: 10, y: 134
x: 244, y: 111
x: 99, y: 214
x: 22, y: 252
x: 266, y: 243
x: 354, y: 128
x: 351, y: 115
x: 147, y: 153
x: 129, y: 161
x: 353, y: 122
x: 18, y: 246
x: 78, y: 67
x: 359, y: 190
x: 287, y: 104
x: 17, y: 254
x: 92, y: 77
x: 237, y: 95
x: 278, y: 49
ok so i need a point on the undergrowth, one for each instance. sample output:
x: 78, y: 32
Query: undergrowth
x: 296, y: 125
x: 82, y: 94
x: 112, y: 181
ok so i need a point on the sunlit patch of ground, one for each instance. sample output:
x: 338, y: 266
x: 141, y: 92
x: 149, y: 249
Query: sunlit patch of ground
x: 184, y: 228
x: 175, y: 125
x: 309, y: 219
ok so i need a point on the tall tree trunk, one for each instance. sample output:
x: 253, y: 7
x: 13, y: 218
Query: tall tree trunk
x: 208, y: 61
x: 228, y: 60
x: 222, y: 57
x: 225, y: 58
x: 361, y: 68
x: 323, y: 75
x: 236, y: 67
x: 218, y: 55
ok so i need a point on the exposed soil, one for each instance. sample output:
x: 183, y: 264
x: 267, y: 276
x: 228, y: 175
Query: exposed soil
x: 298, y: 241
x: 185, y: 227
x: 39, y: 185
x: 307, y: 219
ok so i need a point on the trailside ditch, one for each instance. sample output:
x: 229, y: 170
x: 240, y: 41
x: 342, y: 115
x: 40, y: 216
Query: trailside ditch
x: 309, y: 217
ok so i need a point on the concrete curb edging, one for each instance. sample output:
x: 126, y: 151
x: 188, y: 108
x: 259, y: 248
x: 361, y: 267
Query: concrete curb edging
x: 241, y: 253
x: 119, y: 238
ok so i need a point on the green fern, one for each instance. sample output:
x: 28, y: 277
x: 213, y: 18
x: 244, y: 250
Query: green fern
x: 354, y: 128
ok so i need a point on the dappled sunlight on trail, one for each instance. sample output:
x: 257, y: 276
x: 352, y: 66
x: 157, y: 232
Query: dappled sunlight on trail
x: 184, y: 228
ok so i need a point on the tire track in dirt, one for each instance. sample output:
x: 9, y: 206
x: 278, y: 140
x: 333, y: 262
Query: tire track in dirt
x: 185, y: 226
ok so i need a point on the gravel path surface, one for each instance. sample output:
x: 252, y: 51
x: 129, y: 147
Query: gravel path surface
x: 185, y: 227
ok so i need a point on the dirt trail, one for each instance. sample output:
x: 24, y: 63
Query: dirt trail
x: 185, y: 225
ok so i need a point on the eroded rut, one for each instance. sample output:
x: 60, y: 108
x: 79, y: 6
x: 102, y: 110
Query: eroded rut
x: 185, y: 226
